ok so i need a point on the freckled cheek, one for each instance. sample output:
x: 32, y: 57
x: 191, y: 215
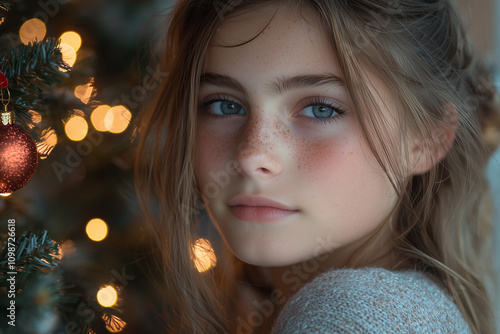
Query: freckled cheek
x: 345, y: 171
x: 319, y: 162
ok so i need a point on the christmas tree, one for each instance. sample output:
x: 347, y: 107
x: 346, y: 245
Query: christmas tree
x: 73, y: 259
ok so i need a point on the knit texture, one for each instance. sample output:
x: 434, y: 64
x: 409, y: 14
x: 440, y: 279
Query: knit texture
x: 371, y: 300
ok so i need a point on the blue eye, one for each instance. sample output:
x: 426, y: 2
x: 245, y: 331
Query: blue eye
x: 223, y: 107
x: 229, y: 107
x: 321, y: 111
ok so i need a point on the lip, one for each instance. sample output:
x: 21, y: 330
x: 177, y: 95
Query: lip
x: 258, y: 209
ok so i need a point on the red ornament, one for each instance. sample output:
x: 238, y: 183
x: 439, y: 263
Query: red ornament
x: 18, y: 156
x: 4, y: 82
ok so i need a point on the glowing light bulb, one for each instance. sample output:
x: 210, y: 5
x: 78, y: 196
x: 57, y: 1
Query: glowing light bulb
x: 72, y: 38
x: 113, y: 323
x: 35, y: 116
x: 96, y: 229
x: 107, y: 296
x: 68, y: 54
x: 32, y: 30
x: 98, y: 116
x: 204, y: 255
x: 84, y: 92
x: 117, y: 119
x: 6, y: 194
x: 45, y: 145
x: 67, y: 248
x: 76, y: 128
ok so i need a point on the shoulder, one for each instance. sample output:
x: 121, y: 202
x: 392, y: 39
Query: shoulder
x: 371, y: 300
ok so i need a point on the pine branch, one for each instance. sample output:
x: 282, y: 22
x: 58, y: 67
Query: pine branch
x: 31, y: 69
x: 34, y: 253
x: 5, y: 5
x: 38, y: 282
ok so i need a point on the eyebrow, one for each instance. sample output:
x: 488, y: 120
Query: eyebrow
x: 277, y: 87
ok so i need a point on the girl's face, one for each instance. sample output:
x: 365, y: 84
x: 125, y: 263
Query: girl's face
x: 284, y: 171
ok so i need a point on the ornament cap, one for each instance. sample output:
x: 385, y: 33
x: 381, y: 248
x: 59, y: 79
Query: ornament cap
x: 7, y: 117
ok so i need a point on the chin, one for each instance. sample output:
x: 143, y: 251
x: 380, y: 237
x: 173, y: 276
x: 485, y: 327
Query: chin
x: 270, y: 259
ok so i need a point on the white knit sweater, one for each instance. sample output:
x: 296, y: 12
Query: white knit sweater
x: 371, y: 300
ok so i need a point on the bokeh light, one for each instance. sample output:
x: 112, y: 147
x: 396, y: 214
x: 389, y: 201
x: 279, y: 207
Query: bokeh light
x: 98, y: 116
x: 67, y: 248
x: 68, y: 54
x: 204, y: 255
x: 35, y: 116
x: 76, y: 128
x: 84, y: 92
x: 117, y: 119
x: 72, y: 38
x: 46, y: 143
x: 96, y: 229
x: 32, y: 30
x: 6, y: 194
x: 107, y: 296
x: 113, y: 323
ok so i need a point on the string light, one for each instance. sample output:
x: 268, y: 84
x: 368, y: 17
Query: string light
x: 96, y: 229
x: 72, y: 38
x: 76, y: 128
x: 35, y: 116
x: 113, y: 323
x: 68, y: 54
x: 32, y: 30
x: 107, y: 296
x: 46, y: 143
x: 84, y: 92
x: 117, y: 119
x: 98, y: 116
x: 67, y: 248
x: 204, y: 255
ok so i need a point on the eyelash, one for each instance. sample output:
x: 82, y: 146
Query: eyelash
x: 216, y: 98
x: 314, y: 102
x: 318, y: 101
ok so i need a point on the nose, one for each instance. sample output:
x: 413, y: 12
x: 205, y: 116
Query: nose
x: 258, y: 153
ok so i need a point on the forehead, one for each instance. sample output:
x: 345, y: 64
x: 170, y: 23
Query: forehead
x: 268, y: 39
x: 259, y: 45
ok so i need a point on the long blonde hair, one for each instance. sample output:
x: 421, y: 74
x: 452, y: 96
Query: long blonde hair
x: 422, y: 53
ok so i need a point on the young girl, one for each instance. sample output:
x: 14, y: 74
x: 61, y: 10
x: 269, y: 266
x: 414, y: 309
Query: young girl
x: 338, y: 148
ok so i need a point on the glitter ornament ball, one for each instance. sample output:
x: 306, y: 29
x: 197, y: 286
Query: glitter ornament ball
x: 18, y: 156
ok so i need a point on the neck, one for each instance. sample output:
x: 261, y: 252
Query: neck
x: 380, y: 252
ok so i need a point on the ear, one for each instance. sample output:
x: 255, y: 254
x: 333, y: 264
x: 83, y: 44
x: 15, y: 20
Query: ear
x: 427, y: 152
